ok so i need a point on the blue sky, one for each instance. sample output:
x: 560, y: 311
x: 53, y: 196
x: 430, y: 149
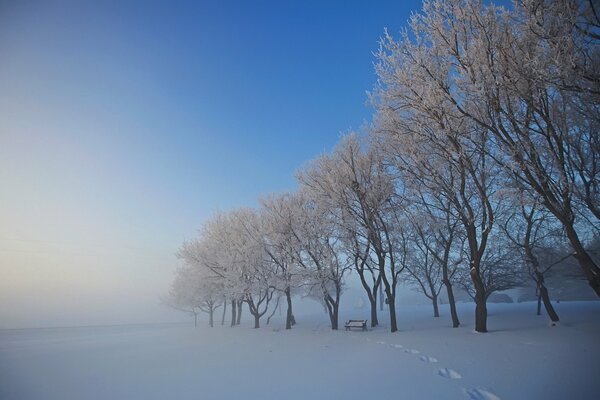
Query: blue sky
x: 124, y: 125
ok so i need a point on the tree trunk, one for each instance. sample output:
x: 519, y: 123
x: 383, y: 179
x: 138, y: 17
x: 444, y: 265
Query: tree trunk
x: 480, y: 313
x: 374, y: 321
x: 391, y: 301
x: 372, y: 296
x: 480, y: 302
x: 224, y: 311
x: 195, y: 320
x: 538, y: 277
x: 233, y: 312
x: 393, y: 322
x: 289, y: 319
x: 434, y: 300
x: 590, y: 269
x: 480, y: 316
x: 256, y: 321
x: 334, y: 317
x: 274, y: 311
x: 452, y: 303
x: 547, y: 304
x: 240, y: 303
x: 332, y: 310
x: 210, y: 317
x: 381, y: 300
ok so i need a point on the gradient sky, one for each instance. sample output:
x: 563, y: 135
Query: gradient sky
x: 124, y: 125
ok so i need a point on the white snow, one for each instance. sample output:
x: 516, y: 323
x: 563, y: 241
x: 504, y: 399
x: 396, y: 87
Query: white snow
x: 520, y: 358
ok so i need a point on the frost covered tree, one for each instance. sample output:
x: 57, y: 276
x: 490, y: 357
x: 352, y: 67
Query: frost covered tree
x: 445, y: 155
x: 194, y: 291
x: 526, y: 77
x: 210, y: 250
x: 257, y: 273
x: 229, y: 247
x: 354, y: 185
x: 320, y: 254
x: 279, y: 217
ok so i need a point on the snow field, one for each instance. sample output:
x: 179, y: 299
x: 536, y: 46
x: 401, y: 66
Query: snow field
x: 521, y: 358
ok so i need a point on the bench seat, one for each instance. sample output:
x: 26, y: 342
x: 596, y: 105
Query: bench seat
x: 356, y: 323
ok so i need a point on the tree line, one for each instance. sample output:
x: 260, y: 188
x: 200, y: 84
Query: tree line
x: 480, y: 169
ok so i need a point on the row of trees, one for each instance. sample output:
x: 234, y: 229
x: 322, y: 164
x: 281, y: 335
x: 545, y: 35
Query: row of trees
x: 481, y: 159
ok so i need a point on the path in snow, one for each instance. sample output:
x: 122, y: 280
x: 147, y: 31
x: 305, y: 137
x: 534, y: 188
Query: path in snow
x: 449, y: 373
x: 446, y: 373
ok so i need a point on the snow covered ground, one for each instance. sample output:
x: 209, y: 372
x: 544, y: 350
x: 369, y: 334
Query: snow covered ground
x: 521, y: 358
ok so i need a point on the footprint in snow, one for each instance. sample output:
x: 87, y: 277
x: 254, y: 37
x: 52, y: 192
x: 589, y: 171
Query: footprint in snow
x: 451, y: 374
x: 411, y: 351
x: 380, y: 342
x: 398, y: 346
x: 428, y: 359
x: 480, y: 394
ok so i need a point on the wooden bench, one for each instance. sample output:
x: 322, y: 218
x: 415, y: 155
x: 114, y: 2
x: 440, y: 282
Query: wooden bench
x: 356, y: 323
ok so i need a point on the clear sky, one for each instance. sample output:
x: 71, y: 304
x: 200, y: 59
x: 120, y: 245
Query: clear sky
x: 123, y: 125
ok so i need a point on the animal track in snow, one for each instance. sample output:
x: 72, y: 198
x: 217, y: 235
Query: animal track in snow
x: 428, y: 359
x: 450, y: 374
x: 398, y: 346
x: 380, y: 342
x: 480, y: 394
x: 411, y: 351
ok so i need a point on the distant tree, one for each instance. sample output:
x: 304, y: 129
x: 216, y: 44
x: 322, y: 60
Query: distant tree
x: 531, y: 230
x: 500, y: 268
x: 224, y: 311
x: 193, y: 291
x: 437, y: 232
x: 424, y: 270
x: 211, y: 250
x: 229, y: 247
